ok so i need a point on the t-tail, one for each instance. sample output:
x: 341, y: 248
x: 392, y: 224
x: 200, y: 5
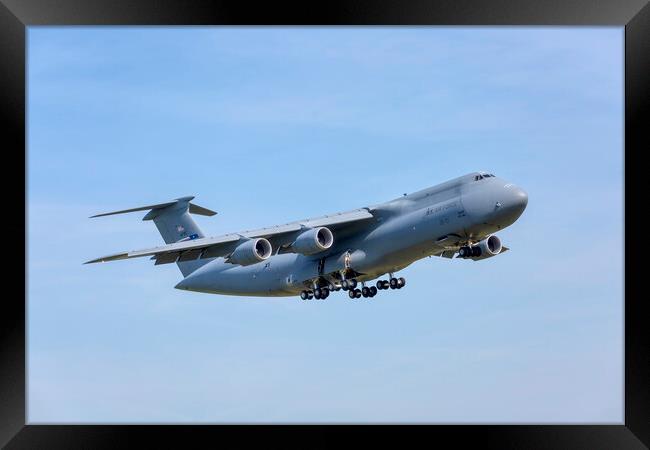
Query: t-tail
x: 175, y: 224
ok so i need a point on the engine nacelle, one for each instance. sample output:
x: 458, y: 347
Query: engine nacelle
x: 251, y: 252
x: 313, y: 241
x: 487, y: 248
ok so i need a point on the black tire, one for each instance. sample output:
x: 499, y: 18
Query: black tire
x: 317, y: 294
x: 353, y: 283
x: 344, y: 285
x: 393, y: 283
x: 365, y: 291
x: 462, y: 252
x: 357, y: 293
x: 401, y: 282
x: 310, y: 295
x: 352, y: 294
x: 385, y: 284
x: 304, y: 295
x: 380, y: 285
x: 324, y: 293
x: 373, y: 291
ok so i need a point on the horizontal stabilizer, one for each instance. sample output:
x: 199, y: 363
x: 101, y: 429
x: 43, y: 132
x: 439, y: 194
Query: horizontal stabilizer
x: 200, y: 210
x: 141, y: 208
x: 193, y: 209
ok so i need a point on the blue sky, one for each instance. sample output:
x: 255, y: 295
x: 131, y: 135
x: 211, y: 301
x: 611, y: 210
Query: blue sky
x: 268, y: 125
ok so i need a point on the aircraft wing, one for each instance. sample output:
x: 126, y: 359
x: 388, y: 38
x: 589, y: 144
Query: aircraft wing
x: 340, y: 224
x: 280, y: 236
x: 186, y: 250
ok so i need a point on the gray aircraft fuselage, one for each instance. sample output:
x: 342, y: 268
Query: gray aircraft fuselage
x: 406, y: 229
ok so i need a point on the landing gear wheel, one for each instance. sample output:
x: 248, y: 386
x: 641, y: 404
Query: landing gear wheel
x: 463, y: 252
x: 385, y: 284
x: 304, y: 295
x: 344, y: 285
x: 324, y: 293
x: 352, y: 283
x: 373, y: 291
x: 309, y: 295
x: 393, y: 283
x: 317, y: 294
x: 401, y: 282
x: 352, y: 294
x: 380, y: 284
x: 365, y: 291
x: 357, y: 293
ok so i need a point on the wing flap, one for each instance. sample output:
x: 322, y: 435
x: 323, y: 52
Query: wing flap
x: 165, y: 258
x: 190, y: 255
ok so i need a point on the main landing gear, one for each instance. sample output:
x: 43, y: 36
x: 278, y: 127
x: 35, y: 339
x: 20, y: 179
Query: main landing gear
x: 365, y: 292
x: 318, y: 294
x: 350, y: 285
x: 393, y: 283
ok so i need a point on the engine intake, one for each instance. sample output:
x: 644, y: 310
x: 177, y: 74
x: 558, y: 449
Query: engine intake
x: 488, y: 247
x: 313, y: 241
x: 251, y: 252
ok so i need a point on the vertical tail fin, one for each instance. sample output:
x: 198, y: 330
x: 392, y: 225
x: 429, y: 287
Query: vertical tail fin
x: 175, y: 224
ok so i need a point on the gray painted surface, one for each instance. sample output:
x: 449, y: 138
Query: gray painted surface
x: 368, y: 242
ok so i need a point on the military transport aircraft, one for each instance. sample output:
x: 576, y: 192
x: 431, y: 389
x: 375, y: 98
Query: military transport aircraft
x: 346, y: 250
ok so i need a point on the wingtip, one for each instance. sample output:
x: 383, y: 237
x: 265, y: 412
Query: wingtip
x: 93, y: 261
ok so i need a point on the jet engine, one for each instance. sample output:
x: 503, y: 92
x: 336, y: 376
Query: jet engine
x: 488, y: 247
x: 313, y: 241
x: 251, y: 252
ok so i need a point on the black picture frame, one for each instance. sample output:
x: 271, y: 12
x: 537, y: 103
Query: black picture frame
x: 16, y: 15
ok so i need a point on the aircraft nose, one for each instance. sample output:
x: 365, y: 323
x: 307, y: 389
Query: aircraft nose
x: 519, y: 198
x: 513, y: 203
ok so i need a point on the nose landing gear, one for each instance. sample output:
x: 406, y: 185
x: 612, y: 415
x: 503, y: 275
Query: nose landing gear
x: 468, y: 252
